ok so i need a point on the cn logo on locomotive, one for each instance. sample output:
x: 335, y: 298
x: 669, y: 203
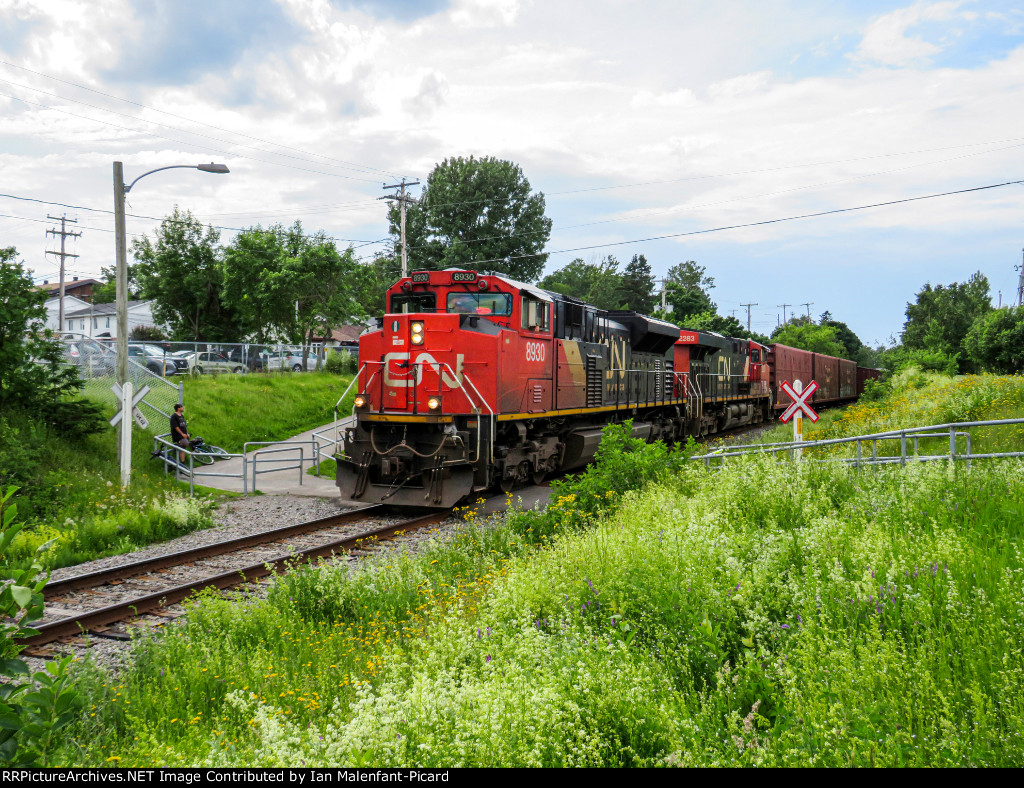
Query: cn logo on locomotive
x: 397, y: 375
x: 536, y: 351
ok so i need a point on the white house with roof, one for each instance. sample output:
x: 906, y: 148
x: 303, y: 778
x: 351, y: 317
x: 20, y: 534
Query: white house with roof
x: 71, y: 304
x: 99, y: 321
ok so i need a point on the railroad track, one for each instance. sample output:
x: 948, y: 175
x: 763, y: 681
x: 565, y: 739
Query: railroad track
x: 58, y: 594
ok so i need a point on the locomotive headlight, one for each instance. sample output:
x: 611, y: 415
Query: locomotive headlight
x: 417, y: 333
x: 434, y: 403
x: 360, y: 401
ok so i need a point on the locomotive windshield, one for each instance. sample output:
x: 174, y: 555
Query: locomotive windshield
x: 416, y: 302
x: 480, y: 303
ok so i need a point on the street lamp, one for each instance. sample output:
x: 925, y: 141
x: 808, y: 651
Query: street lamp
x: 120, y: 190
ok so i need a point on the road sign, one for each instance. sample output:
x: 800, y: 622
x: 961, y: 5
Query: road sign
x: 136, y: 399
x: 140, y: 418
x: 800, y: 404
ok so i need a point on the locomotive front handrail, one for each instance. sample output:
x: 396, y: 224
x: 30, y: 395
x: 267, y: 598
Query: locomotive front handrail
x: 440, y: 367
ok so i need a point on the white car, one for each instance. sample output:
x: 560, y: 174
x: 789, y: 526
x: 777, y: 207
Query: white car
x: 291, y: 359
x: 208, y: 363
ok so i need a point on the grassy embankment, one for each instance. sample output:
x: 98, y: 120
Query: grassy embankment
x: 70, y: 489
x: 657, y: 614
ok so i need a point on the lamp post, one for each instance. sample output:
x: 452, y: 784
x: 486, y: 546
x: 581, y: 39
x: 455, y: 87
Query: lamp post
x: 120, y: 190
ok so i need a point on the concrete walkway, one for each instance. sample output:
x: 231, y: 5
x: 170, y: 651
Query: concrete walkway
x: 274, y: 477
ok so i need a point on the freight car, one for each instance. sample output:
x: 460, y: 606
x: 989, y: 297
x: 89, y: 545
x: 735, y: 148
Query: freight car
x: 839, y: 380
x: 473, y: 381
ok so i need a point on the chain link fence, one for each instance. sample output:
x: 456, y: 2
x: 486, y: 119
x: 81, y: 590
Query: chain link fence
x: 214, y: 358
x: 96, y: 363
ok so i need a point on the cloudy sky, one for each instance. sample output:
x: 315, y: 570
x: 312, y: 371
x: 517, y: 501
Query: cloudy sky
x: 646, y: 125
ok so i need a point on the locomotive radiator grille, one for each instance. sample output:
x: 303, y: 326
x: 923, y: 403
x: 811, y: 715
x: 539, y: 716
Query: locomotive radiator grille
x: 593, y: 383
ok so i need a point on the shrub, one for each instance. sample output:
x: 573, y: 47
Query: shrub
x: 32, y: 708
x: 622, y: 463
x: 340, y: 363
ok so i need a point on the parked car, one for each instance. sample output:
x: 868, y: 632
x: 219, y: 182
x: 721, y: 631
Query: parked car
x: 189, y: 356
x: 209, y: 363
x: 92, y: 359
x: 154, y: 359
x: 251, y: 356
x: 292, y: 359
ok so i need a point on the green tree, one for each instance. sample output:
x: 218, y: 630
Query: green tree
x: 370, y: 282
x: 318, y: 276
x: 180, y: 270
x: 939, y: 319
x: 254, y: 287
x: 802, y: 333
x: 33, y: 375
x: 995, y: 343
x: 106, y: 293
x: 480, y: 214
x: 851, y: 343
x: 712, y: 321
x: 686, y: 289
x: 636, y: 288
x: 597, y: 282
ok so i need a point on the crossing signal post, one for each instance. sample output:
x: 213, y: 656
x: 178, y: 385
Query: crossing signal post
x: 799, y: 408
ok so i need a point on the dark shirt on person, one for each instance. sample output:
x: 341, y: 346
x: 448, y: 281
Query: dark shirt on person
x: 178, y: 427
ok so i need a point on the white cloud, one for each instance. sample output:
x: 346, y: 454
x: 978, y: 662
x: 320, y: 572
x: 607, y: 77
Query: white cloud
x: 886, y: 41
x: 485, y: 13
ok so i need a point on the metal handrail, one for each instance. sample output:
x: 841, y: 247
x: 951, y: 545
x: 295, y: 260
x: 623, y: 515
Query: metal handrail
x: 953, y: 429
x: 159, y: 440
x: 279, y: 446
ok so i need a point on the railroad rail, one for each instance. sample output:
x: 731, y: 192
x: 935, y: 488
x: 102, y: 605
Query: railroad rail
x: 88, y: 621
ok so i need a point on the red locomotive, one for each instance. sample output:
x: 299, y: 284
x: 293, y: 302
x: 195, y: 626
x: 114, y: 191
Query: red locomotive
x: 473, y: 381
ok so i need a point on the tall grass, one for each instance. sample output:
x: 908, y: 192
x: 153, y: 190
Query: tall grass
x: 769, y: 614
x: 761, y: 614
x: 228, y: 410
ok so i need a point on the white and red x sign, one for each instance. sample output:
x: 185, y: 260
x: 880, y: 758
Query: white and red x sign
x: 799, y: 401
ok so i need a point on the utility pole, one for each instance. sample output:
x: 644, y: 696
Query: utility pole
x: 64, y: 234
x: 783, y: 306
x: 807, y: 304
x: 748, y: 314
x: 664, y: 291
x: 403, y: 201
x: 1020, y: 283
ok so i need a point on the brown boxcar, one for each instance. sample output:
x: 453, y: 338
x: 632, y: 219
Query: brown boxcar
x: 826, y: 374
x: 847, y: 379
x: 788, y: 364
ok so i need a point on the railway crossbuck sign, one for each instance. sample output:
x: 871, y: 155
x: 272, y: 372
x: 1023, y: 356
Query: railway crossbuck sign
x: 800, y: 404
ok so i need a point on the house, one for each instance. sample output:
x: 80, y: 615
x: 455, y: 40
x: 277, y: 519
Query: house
x: 343, y: 336
x: 71, y: 304
x: 99, y: 321
x: 79, y: 288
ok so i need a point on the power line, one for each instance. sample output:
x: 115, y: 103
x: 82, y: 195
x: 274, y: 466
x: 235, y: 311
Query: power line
x: 360, y: 241
x: 751, y: 224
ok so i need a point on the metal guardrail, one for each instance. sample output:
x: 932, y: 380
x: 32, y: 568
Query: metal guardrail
x: 953, y: 431
x: 276, y: 447
x: 250, y: 465
x: 171, y: 462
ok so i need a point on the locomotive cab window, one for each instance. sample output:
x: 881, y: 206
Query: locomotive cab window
x: 536, y: 314
x: 480, y: 303
x: 413, y: 303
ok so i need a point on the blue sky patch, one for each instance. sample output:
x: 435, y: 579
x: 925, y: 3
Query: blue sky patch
x: 399, y: 10
x: 179, y: 40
